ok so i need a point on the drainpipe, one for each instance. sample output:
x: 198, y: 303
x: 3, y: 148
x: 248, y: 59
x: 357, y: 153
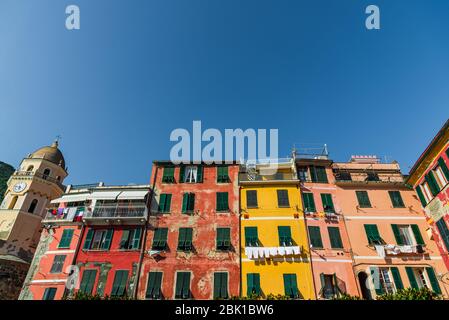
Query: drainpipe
x: 145, y: 231
x: 240, y: 233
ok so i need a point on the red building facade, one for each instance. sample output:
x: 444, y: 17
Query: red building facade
x: 192, y: 239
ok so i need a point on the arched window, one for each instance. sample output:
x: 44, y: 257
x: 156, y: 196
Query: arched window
x: 46, y: 173
x: 33, y: 206
x: 13, y: 202
x: 30, y: 168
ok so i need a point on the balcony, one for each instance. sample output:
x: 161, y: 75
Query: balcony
x: 357, y: 178
x: 389, y: 250
x: 65, y: 215
x: 279, y: 176
x: 136, y: 214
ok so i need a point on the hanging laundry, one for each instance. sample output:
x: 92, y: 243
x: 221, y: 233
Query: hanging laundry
x: 380, y: 249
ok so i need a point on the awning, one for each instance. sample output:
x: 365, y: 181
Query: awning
x: 133, y: 195
x: 71, y: 198
x: 104, y: 195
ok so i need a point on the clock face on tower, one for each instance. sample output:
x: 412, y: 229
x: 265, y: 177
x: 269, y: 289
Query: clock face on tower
x: 19, y: 187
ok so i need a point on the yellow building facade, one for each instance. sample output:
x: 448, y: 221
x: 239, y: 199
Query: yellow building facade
x: 274, y: 245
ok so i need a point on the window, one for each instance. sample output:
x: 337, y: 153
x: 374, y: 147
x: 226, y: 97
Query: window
x: 291, y: 286
x: 49, y: 294
x: 253, y: 284
x: 318, y: 174
x: 372, y: 233
x: 423, y: 278
x: 283, y: 199
x: 88, y: 281
x: 315, y: 237
x: 33, y: 206
x: 334, y: 235
x: 222, y: 201
x: 182, y: 285
x: 58, y: 263
x: 98, y: 239
x: 222, y: 174
x: 444, y: 232
x: 154, y: 285
x: 386, y: 280
x: 119, y: 285
x: 66, y: 238
x: 432, y: 182
x: 223, y: 238
x: 285, y: 236
x: 251, y: 198
x: 130, y: 239
x: 343, y: 176
x: 443, y: 169
x: 251, y: 237
x: 160, y: 239
x: 440, y: 177
x: 169, y: 175
x: 407, y: 234
x: 329, y: 287
x: 427, y: 193
x: 421, y: 196
x: 46, y: 174
x: 164, y: 203
x: 372, y: 176
x: 396, y: 199
x: 328, y: 204
x: 308, y: 202
x: 185, y: 239
x: 220, y: 285
x: 30, y: 168
x: 363, y: 199
x: 303, y: 174
x: 191, y: 174
x: 188, y: 203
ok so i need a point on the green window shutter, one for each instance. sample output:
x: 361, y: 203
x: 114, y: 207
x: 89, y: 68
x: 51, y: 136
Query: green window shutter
x: 185, y: 239
x: 222, y: 201
x: 418, y: 237
x: 252, y: 284
x: 290, y: 285
x: 191, y: 206
x: 124, y: 242
x: 251, y: 237
x: 182, y: 170
x: 154, y: 285
x: 223, y: 238
x: 335, y: 237
x: 328, y: 204
x: 251, y: 198
x: 321, y: 174
x: 136, y: 238
x: 308, y: 202
x: 397, y: 278
x: 444, y: 232
x: 160, y: 239
x: 313, y: 174
x: 376, y: 281
x: 421, y: 196
x: 283, y: 198
x: 411, y: 277
x: 222, y: 174
x: 433, y: 280
x: 396, y: 199
x: 443, y: 167
x: 49, y: 294
x: 315, y: 237
x: 167, y: 206
x: 88, y: 281
x: 162, y: 200
x: 363, y: 199
x: 182, y: 285
x: 372, y: 233
x: 397, y: 235
x: 107, y: 239
x: 433, y: 185
x: 220, y: 285
x: 88, y: 240
x: 66, y: 238
x: 58, y: 264
x: 322, y: 281
x: 119, y: 285
x: 185, y: 201
x: 199, y: 173
x: 285, y: 236
x: 168, y: 175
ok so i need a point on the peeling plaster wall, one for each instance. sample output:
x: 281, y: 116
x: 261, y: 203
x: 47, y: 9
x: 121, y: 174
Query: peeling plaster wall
x: 204, y: 260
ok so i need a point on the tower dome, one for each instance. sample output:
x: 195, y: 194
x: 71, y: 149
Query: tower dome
x: 50, y: 153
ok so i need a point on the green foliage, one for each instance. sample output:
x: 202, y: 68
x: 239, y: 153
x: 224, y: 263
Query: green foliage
x: 411, y: 294
x: 84, y: 296
x: 251, y: 297
x: 5, y: 172
x: 278, y: 297
x: 345, y: 296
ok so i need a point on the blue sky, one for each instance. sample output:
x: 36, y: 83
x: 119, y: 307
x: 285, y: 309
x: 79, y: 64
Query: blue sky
x: 136, y: 70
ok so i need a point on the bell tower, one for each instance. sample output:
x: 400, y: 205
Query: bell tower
x: 36, y: 182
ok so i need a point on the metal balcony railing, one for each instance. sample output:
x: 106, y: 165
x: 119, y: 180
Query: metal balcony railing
x: 111, y: 212
x: 274, y: 177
